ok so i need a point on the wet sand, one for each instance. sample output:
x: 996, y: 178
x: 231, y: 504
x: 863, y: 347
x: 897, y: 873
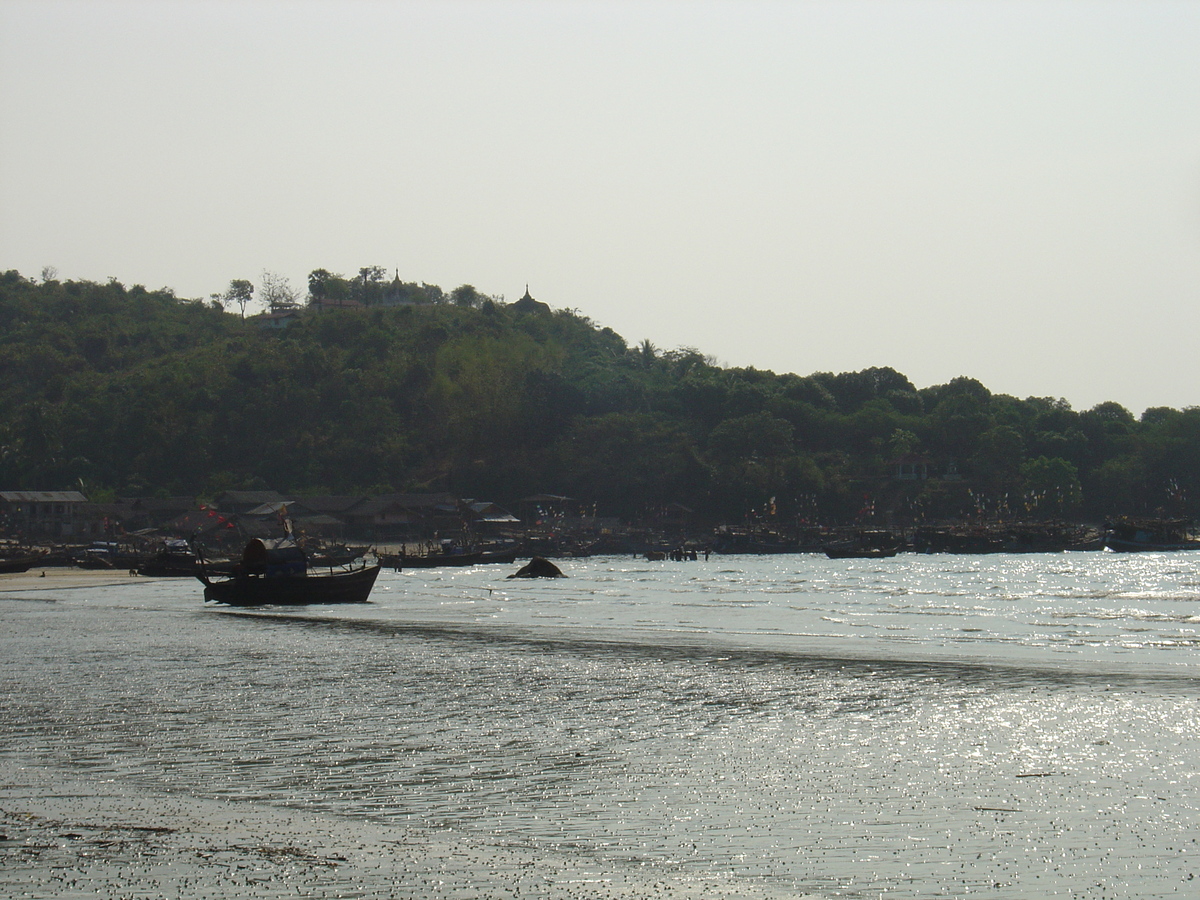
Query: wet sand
x: 69, y: 838
x: 63, y: 835
x: 65, y: 578
x: 459, y: 739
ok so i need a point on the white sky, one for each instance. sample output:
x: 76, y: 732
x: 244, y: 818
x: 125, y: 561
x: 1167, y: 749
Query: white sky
x: 1005, y: 190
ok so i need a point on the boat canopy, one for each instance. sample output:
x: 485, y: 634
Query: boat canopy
x: 258, y: 559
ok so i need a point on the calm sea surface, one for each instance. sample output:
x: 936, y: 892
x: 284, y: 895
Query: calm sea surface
x: 785, y: 726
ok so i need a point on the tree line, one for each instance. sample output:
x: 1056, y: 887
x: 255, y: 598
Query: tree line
x: 128, y: 391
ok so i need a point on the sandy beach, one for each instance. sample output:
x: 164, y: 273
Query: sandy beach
x: 57, y: 578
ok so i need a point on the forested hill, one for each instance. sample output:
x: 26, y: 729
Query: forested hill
x: 134, y: 392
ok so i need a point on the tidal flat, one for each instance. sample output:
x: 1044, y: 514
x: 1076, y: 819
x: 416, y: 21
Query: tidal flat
x: 921, y: 727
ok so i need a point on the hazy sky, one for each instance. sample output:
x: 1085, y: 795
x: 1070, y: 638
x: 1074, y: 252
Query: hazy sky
x: 1005, y: 190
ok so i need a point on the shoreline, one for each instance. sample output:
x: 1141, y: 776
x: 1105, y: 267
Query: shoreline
x: 58, y: 578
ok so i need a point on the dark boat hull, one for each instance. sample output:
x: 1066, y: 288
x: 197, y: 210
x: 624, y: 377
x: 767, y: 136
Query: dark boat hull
x: 14, y: 564
x: 167, y: 570
x: 1117, y: 545
x: 1149, y: 535
x: 292, y: 590
x: 170, y: 565
x: 869, y: 543
x: 859, y: 553
x: 500, y: 556
x: 435, y: 561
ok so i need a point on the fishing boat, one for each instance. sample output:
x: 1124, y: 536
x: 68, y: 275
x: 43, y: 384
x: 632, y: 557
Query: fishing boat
x: 865, y: 545
x: 500, y: 555
x: 174, y: 560
x: 1149, y: 535
x: 452, y: 557
x: 279, y: 576
x: 332, y: 557
x: 108, y: 555
x: 10, y: 565
x: 852, y: 550
x: 435, y: 560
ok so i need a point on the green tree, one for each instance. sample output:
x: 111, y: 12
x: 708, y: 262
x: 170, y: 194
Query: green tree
x: 477, y: 388
x: 903, y: 443
x: 627, y: 461
x: 239, y: 293
x: 1052, y: 485
x: 999, y: 458
x: 752, y: 457
x: 1119, y: 485
x: 324, y: 285
x: 466, y: 295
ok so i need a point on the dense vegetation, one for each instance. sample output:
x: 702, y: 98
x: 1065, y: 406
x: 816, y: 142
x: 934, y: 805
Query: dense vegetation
x: 130, y: 391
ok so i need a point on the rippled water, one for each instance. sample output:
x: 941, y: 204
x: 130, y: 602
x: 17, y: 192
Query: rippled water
x: 925, y: 726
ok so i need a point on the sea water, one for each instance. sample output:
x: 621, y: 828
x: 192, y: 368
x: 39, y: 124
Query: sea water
x: 786, y: 726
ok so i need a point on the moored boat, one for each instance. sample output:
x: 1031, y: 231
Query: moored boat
x: 506, y: 555
x: 865, y: 545
x: 174, y: 560
x: 333, y: 557
x: 10, y: 565
x: 279, y: 576
x: 452, y: 556
x: 436, y: 560
x: 1149, y: 535
x: 855, y: 552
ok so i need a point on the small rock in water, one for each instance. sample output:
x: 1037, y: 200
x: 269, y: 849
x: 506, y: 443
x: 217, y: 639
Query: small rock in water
x: 538, y: 568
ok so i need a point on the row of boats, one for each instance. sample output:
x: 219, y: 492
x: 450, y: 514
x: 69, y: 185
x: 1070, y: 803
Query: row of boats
x: 284, y: 574
x: 1123, y: 536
